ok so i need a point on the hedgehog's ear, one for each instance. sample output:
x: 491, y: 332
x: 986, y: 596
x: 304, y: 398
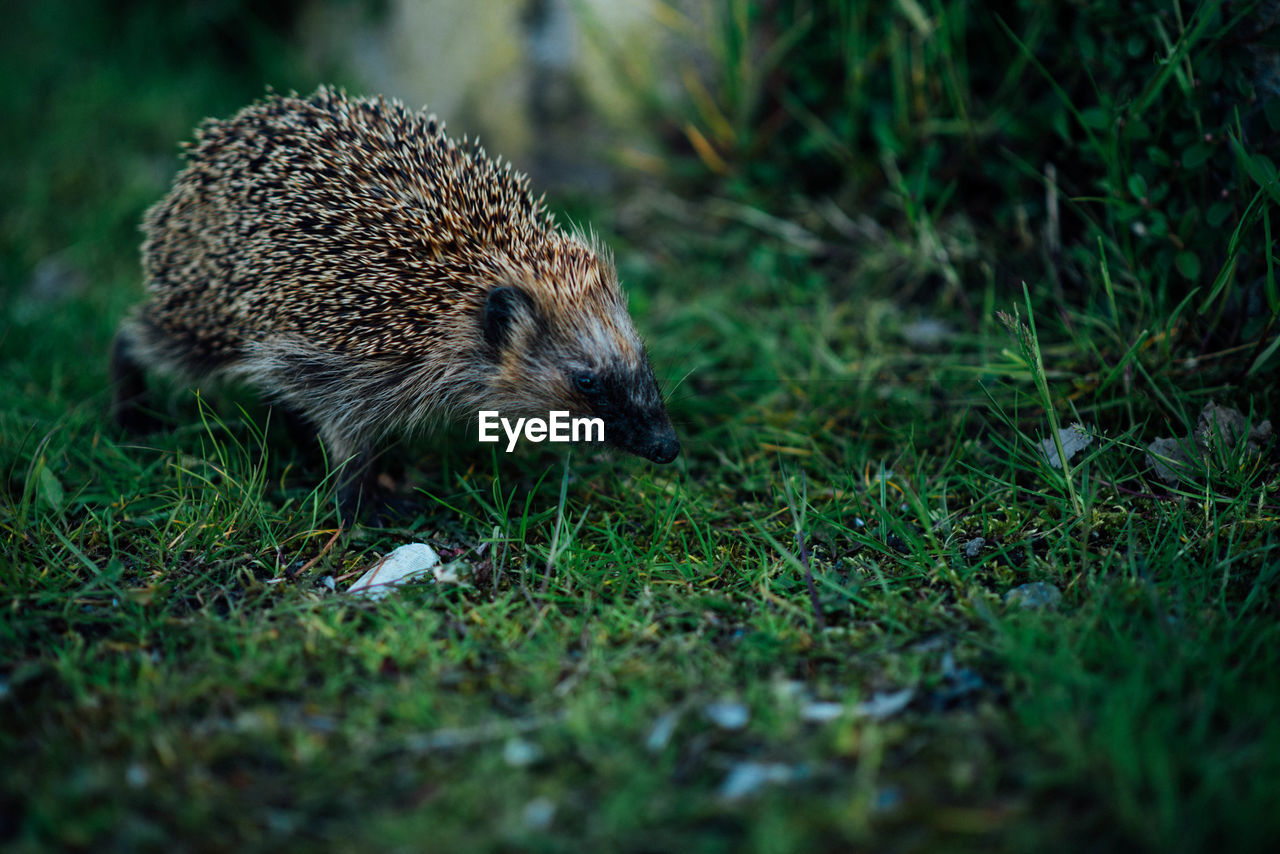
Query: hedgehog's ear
x: 503, y: 306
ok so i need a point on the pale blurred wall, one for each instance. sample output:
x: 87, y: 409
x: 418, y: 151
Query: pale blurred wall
x: 538, y: 80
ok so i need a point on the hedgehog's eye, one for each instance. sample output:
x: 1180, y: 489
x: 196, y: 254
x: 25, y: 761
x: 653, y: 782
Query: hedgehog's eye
x: 585, y: 382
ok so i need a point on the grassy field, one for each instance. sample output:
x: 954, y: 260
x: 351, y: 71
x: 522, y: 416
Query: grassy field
x: 812, y: 631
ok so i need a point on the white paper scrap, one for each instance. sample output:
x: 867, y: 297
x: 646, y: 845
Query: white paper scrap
x: 404, y: 564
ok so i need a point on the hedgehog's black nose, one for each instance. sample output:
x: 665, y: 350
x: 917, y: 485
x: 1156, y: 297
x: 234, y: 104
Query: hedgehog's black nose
x: 664, y: 447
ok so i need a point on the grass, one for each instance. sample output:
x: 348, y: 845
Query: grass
x: 178, y: 660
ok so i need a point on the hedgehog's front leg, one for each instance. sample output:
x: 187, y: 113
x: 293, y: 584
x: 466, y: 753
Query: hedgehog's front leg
x: 129, y: 387
x: 352, y: 461
x: 300, y: 430
x: 360, y: 497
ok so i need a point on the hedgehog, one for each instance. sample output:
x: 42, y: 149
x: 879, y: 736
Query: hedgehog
x: 372, y: 276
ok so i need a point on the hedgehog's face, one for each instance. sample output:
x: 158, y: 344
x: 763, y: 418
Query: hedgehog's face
x: 587, y: 360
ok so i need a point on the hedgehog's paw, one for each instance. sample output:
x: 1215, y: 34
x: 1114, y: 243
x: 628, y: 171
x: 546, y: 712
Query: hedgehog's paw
x: 390, y: 511
x: 134, y: 421
x: 301, y: 432
x: 365, y: 502
x: 130, y: 414
x: 129, y: 389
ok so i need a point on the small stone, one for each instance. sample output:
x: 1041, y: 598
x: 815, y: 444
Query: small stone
x: 1074, y: 439
x: 1167, y: 456
x: 663, y: 728
x: 1218, y: 429
x: 136, y: 775
x: 727, y: 714
x: 974, y: 547
x: 887, y: 798
x: 926, y: 334
x: 1222, y: 427
x: 1037, y: 594
x: 885, y: 704
x: 519, y: 752
x: 538, y: 813
x: 822, y: 711
x: 747, y: 778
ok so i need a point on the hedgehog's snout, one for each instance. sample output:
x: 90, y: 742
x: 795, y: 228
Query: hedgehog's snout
x: 652, y: 438
x: 663, y: 447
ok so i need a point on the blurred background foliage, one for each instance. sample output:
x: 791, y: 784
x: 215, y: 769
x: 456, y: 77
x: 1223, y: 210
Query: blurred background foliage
x: 1045, y: 127
x: 1018, y: 134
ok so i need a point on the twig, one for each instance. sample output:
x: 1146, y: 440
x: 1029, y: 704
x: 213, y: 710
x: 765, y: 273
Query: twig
x: 808, y: 579
x: 326, y: 548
